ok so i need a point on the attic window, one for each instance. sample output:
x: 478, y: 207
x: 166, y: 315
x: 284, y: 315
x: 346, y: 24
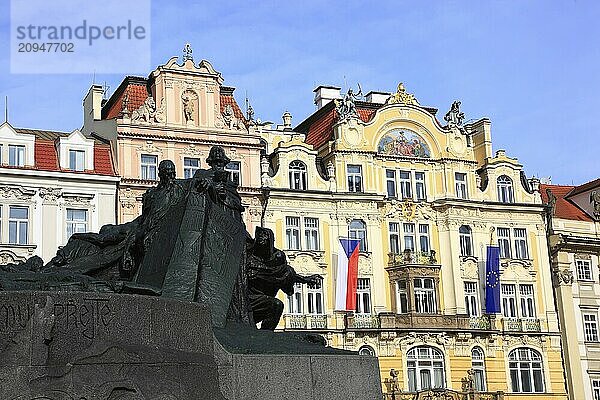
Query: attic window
x: 76, y: 160
x: 16, y: 156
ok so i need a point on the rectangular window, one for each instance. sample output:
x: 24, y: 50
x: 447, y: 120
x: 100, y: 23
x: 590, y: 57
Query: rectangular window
x: 504, y: 242
x: 460, y: 179
x: 16, y: 155
x: 76, y: 221
x: 527, y: 301
x: 77, y: 160
x: 465, y: 239
x: 409, y: 236
x: 315, y: 297
x: 471, y: 299
x: 311, y: 233
x: 148, y: 167
x: 424, y: 238
x: 394, y: 238
x: 590, y: 327
x: 354, y: 173
x: 521, y: 244
x: 190, y: 166
x: 363, y: 296
x: 424, y: 295
x: 509, y: 300
x: 405, y: 184
x: 18, y: 222
x: 295, y: 300
x: 234, y: 169
x: 402, y: 298
x: 292, y: 232
x: 420, y: 185
x: 584, y: 270
x: 596, y: 388
x: 390, y: 179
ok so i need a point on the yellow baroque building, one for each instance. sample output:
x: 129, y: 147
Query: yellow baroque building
x: 425, y: 198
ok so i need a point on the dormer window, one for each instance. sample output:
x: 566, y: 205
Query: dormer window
x: 16, y: 156
x: 77, y: 160
x: 505, y: 189
x: 297, y: 175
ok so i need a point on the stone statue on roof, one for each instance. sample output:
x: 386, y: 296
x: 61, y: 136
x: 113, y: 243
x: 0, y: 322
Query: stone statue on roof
x: 595, y: 201
x: 454, y: 116
x: 346, y: 107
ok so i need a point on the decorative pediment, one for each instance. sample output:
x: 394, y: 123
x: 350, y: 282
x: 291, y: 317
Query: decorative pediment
x: 404, y: 143
x: 16, y: 193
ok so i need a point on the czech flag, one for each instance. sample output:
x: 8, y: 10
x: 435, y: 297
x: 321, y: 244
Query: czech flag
x: 347, y: 274
x: 492, y: 280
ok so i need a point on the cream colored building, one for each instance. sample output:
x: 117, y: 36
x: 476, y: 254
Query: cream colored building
x: 574, y: 241
x: 52, y: 185
x: 178, y: 112
x: 425, y: 198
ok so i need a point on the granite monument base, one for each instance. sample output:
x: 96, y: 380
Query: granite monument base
x: 94, y: 346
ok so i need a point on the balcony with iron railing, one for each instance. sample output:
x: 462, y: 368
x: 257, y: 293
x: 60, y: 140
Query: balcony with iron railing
x: 521, y: 324
x: 410, y: 257
x: 443, y: 394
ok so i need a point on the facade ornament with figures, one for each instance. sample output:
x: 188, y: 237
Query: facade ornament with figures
x: 187, y: 53
x: 595, y: 202
x: 402, y: 97
x: 146, y: 112
x: 346, y: 107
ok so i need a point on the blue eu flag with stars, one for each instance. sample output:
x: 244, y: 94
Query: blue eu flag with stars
x: 492, y: 280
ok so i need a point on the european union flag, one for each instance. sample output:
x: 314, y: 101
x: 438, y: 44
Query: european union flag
x: 492, y: 280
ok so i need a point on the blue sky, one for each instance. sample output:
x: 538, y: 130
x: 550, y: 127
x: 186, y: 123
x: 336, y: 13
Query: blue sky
x: 530, y: 66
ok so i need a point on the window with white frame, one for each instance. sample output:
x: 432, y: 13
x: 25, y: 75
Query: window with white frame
x: 363, y: 296
x: 409, y: 236
x: 466, y: 240
x: 77, y: 160
x: 504, y: 186
x: 234, y: 168
x: 402, y: 297
x: 394, y: 237
x: 504, y: 242
x: 521, y: 251
x: 77, y: 221
x: 584, y: 270
x: 478, y: 366
x: 424, y: 238
x: 148, y: 167
x: 390, y: 180
x: 460, y: 180
x: 18, y: 224
x: 354, y: 173
x: 590, y: 327
x: 509, y: 300
x: 404, y: 179
x: 190, y: 166
x: 292, y: 232
x: 16, y: 155
x: 425, y: 368
x: 526, y: 373
x: 472, y: 299
x: 424, y: 295
x: 315, y: 297
x: 311, y: 233
x: 420, y: 191
x: 527, y: 301
x: 295, y: 300
x: 297, y: 175
x: 596, y: 388
x: 358, y: 230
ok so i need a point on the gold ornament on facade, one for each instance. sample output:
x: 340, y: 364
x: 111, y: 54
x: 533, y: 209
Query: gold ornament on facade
x: 402, y: 97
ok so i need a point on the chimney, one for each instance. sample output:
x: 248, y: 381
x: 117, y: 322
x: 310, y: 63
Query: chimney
x: 92, y: 105
x: 377, y: 97
x: 324, y: 94
x: 287, y: 120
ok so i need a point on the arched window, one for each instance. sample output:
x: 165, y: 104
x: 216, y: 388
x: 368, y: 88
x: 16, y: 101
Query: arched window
x: 478, y: 366
x: 505, y: 189
x: 526, y: 372
x: 263, y: 147
x: 366, y: 351
x: 358, y: 230
x: 466, y: 240
x: 425, y: 368
x: 297, y: 175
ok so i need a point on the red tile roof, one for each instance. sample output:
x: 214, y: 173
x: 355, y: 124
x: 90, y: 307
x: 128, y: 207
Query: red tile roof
x: 135, y: 88
x: 565, y: 208
x: 46, y: 154
x: 585, y: 187
x: 227, y: 99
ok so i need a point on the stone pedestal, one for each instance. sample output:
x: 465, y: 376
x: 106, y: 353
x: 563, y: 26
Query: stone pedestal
x: 93, y: 346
